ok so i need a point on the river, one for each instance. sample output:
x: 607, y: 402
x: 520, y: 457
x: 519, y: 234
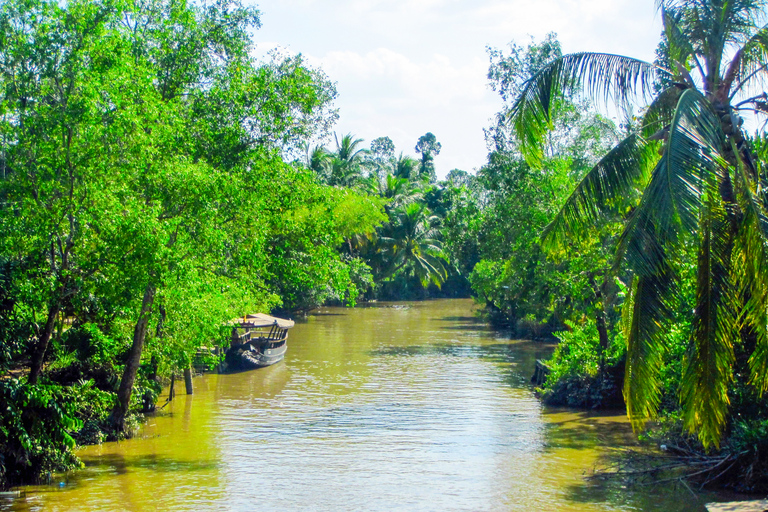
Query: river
x: 406, y: 406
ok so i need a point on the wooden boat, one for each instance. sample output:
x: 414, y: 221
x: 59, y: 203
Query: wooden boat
x: 258, y: 340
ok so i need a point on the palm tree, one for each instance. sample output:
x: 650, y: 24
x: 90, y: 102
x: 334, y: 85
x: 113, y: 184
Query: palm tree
x: 399, y: 191
x: 411, y: 240
x: 406, y: 167
x: 319, y: 160
x: 700, y: 184
x: 346, y: 162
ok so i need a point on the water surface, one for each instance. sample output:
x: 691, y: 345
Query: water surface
x: 407, y: 406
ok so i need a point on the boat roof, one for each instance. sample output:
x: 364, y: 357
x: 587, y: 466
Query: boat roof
x: 257, y: 320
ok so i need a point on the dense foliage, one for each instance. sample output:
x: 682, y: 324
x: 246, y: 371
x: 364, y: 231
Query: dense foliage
x: 701, y: 188
x: 145, y: 199
x: 669, y: 223
x: 407, y: 256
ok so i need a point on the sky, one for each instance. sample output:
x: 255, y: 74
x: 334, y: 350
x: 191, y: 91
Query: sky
x: 403, y: 68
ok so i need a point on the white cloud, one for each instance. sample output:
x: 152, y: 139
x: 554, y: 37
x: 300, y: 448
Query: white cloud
x: 437, y: 82
x: 383, y: 92
x: 405, y: 67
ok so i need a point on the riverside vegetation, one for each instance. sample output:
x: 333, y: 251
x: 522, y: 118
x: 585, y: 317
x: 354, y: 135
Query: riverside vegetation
x: 158, y: 180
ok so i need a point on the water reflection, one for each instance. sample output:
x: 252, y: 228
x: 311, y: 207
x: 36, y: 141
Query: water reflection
x: 415, y: 406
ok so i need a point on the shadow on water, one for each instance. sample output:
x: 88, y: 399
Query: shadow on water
x: 384, y: 305
x: 441, y: 349
x: 583, y: 430
x: 495, y: 352
x: 467, y: 327
x: 665, y: 497
x: 515, y: 360
x: 465, y: 319
x: 121, y: 464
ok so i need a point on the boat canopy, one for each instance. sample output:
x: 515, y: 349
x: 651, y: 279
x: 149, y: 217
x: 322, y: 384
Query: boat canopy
x: 259, y: 320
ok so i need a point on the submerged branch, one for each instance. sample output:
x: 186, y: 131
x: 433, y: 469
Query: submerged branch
x: 685, y: 466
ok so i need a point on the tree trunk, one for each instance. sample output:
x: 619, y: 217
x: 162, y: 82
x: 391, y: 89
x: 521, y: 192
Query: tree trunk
x: 40, y: 348
x: 172, y: 390
x: 188, y: 380
x: 134, y: 359
x: 153, y: 364
x: 600, y: 323
x: 602, y: 333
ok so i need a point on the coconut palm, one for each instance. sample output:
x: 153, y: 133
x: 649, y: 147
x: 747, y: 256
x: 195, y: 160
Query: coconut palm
x: 399, y: 191
x: 318, y: 159
x: 406, y: 167
x: 411, y: 240
x: 700, y: 185
x: 346, y: 163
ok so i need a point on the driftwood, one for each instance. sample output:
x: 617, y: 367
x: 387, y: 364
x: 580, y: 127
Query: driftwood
x: 677, y: 465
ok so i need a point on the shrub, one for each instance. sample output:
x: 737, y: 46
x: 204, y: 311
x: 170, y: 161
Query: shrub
x: 575, y: 379
x: 36, y: 423
x: 91, y: 344
x: 578, y: 353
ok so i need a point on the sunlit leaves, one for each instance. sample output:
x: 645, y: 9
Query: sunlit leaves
x: 606, y: 187
x: 704, y: 192
x: 599, y: 75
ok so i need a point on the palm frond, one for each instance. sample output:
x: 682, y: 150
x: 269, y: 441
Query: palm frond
x: 646, y: 346
x: 751, y: 256
x: 658, y: 117
x: 753, y: 57
x: 624, y: 167
x: 679, y: 47
x: 740, y: 19
x: 431, y: 268
x: 598, y: 75
x: 694, y: 152
x: 670, y: 204
x: 708, y: 367
x: 644, y: 245
x: 627, y: 307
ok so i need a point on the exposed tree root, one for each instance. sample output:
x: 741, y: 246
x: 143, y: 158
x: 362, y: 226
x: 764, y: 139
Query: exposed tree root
x: 675, y: 464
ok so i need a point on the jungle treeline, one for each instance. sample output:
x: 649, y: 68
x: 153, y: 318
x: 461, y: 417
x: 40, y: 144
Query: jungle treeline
x: 147, y: 195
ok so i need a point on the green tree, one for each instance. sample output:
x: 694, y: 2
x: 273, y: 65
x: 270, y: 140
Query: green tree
x: 522, y: 287
x: 405, y: 167
x: 51, y: 126
x: 318, y: 160
x: 142, y: 149
x: 705, y: 189
x: 428, y: 147
x: 399, y: 191
x: 410, y: 242
x: 459, y: 178
x: 382, y: 155
x: 347, y: 161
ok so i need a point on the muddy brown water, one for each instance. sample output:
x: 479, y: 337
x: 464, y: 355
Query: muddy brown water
x: 397, y: 406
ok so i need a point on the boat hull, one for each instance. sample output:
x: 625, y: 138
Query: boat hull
x: 247, y: 357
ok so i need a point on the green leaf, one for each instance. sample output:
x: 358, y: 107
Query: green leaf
x: 646, y: 347
x: 605, y: 186
x: 598, y: 75
x: 708, y: 368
